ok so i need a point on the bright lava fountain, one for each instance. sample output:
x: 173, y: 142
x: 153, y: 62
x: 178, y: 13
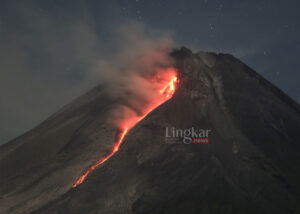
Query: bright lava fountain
x: 165, y: 93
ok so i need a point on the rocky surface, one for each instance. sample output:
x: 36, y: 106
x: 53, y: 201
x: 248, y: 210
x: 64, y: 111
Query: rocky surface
x: 251, y: 164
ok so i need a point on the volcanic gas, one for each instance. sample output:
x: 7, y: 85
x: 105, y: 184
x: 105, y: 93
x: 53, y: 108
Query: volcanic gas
x: 163, y: 83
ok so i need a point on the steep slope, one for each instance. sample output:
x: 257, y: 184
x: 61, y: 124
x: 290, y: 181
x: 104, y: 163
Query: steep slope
x: 251, y: 164
x: 44, y: 163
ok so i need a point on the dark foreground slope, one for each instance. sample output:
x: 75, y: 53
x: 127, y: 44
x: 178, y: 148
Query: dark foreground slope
x: 251, y: 164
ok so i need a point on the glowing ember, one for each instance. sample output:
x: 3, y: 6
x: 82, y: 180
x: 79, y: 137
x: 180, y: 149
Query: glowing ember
x: 164, y: 94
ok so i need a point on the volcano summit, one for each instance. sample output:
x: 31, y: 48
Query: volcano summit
x: 250, y: 165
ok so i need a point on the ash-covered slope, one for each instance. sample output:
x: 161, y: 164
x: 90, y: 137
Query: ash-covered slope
x: 251, y: 164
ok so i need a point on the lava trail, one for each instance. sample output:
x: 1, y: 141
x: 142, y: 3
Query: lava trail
x: 163, y: 94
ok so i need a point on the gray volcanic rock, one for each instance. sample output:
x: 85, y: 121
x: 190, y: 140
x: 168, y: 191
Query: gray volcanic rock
x: 251, y: 164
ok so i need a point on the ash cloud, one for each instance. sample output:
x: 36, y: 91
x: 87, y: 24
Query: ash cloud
x: 136, y: 73
x: 51, y: 55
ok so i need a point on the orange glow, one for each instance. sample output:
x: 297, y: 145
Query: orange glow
x: 116, y: 147
x: 168, y: 87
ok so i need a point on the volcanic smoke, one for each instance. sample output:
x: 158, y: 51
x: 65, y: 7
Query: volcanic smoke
x: 163, y: 85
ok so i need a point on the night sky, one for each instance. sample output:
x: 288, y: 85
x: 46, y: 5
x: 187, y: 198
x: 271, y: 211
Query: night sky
x: 46, y: 47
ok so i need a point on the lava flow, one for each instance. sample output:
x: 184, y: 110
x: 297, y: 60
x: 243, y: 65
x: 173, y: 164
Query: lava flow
x: 163, y: 94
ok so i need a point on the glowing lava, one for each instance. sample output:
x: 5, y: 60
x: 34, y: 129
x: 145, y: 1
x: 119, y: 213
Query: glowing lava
x: 116, y: 147
x: 163, y: 94
x: 169, y: 89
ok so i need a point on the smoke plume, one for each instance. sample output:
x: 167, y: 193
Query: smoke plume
x: 136, y: 73
x: 51, y: 55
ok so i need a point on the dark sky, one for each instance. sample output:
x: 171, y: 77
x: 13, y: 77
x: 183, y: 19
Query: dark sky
x: 46, y: 47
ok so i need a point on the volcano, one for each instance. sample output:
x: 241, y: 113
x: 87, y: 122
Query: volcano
x: 249, y: 165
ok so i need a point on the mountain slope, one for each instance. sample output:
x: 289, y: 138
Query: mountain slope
x: 251, y: 164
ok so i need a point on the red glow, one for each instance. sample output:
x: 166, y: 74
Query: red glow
x: 167, y: 85
x: 116, y: 147
x: 169, y: 89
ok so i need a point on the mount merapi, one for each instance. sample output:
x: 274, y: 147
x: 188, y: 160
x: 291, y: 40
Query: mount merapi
x: 251, y: 164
